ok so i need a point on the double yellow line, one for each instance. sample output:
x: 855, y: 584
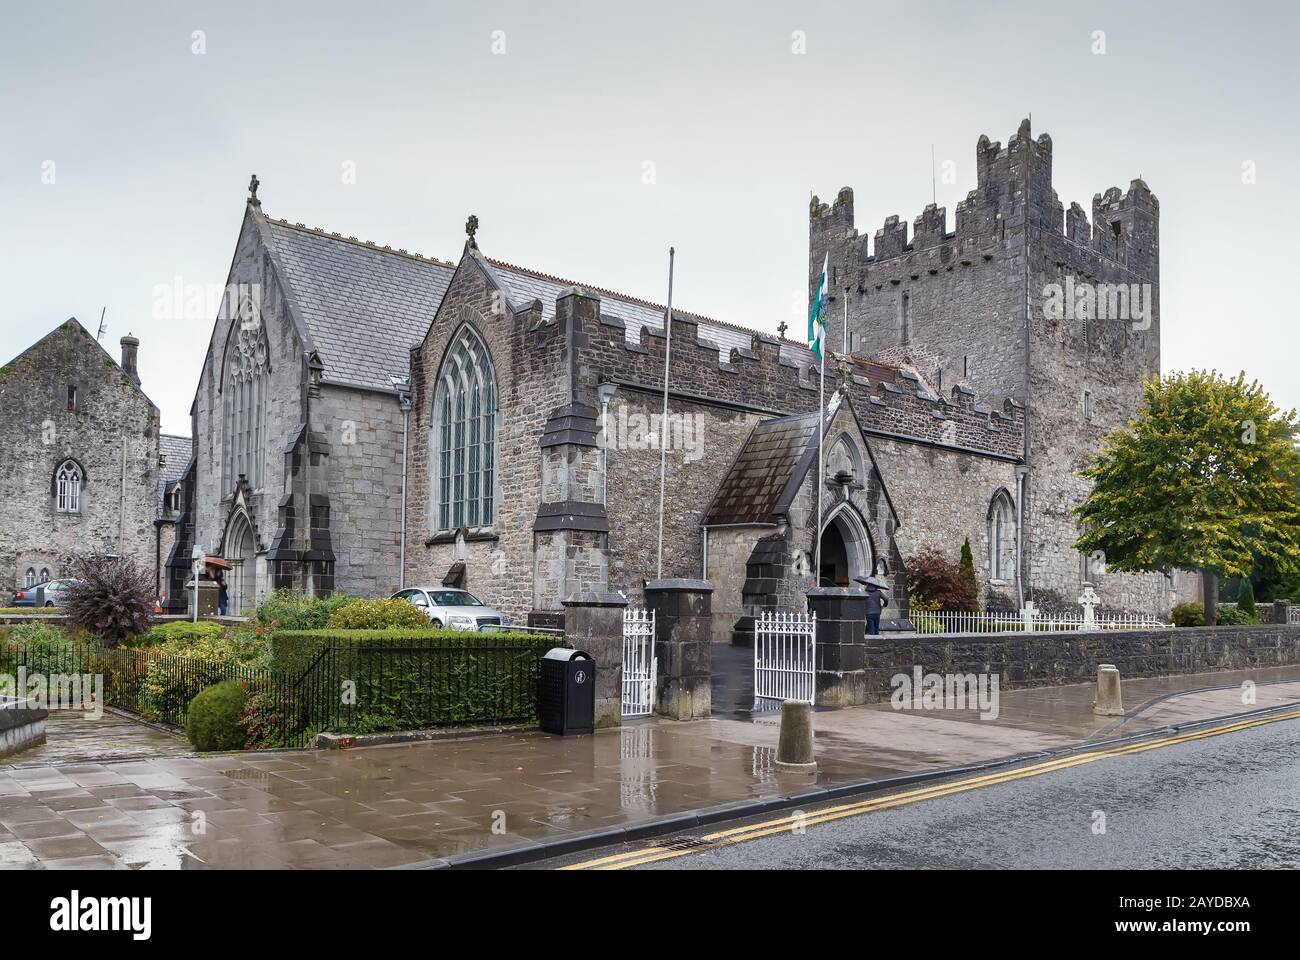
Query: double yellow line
x: 799, y: 821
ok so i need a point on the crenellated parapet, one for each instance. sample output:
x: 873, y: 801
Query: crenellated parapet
x: 772, y: 376
x: 1013, y: 190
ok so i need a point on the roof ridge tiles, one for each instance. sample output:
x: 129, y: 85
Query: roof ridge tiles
x: 367, y: 244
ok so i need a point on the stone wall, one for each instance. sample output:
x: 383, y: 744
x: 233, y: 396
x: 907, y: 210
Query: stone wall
x: 364, y: 480
x: 703, y: 440
x: 111, y: 431
x: 943, y: 496
x: 529, y: 362
x: 252, y: 268
x: 1037, y: 660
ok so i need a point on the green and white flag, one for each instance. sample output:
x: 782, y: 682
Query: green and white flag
x: 817, y: 310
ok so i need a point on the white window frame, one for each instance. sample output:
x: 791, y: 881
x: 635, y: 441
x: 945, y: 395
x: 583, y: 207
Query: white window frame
x: 68, y: 481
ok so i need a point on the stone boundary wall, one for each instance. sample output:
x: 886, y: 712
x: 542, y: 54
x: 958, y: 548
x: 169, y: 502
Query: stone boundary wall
x: 1040, y: 660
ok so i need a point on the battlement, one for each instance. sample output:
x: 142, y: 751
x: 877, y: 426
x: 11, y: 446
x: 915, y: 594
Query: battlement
x: 1013, y: 192
x: 775, y: 376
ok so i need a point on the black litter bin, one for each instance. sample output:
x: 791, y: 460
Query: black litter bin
x: 566, y: 692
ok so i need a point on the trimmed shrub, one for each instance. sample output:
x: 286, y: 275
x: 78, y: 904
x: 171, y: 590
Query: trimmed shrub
x: 1246, y: 599
x: 934, y: 579
x: 968, y: 567
x: 213, y: 722
x: 110, y: 597
x: 185, y: 631
x: 379, y: 615
x: 407, y: 679
x: 1189, y: 615
x: 286, y: 610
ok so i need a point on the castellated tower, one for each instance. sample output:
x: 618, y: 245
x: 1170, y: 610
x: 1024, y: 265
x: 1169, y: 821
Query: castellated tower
x: 1022, y: 300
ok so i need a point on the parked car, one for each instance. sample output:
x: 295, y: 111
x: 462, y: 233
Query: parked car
x: 26, y: 596
x: 55, y: 593
x: 456, y: 609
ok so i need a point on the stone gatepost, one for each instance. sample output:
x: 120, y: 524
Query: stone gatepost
x: 593, y: 622
x: 1281, y: 612
x: 683, y: 612
x: 841, y: 645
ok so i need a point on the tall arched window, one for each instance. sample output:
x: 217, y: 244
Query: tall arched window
x: 244, y: 405
x: 1002, y: 537
x: 464, y: 435
x: 30, y: 579
x: 45, y: 575
x: 67, y: 487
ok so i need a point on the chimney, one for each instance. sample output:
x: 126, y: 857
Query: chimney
x: 130, y: 346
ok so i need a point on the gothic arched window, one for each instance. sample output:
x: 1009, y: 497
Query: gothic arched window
x: 30, y: 579
x: 464, y: 435
x: 67, y: 487
x: 45, y: 575
x: 244, y: 406
x: 1002, y: 537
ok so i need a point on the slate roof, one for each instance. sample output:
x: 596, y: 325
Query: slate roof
x: 176, y: 453
x: 365, y: 306
x: 752, y: 490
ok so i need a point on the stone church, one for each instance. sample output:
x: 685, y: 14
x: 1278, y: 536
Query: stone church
x: 86, y: 468
x: 368, y: 418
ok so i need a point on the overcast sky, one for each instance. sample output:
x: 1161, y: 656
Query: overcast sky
x: 588, y: 137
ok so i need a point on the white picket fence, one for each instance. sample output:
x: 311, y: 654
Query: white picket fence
x: 640, y: 666
x: 785, y: 656
x: 950, y: 621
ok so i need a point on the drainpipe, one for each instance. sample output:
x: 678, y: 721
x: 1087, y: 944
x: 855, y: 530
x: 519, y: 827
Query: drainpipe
x: 403, y: 385
x: 121, y: 507
x: 605, y: 392
x: 704, y: 574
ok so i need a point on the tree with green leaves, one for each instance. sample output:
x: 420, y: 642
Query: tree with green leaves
x: 1203, y: 478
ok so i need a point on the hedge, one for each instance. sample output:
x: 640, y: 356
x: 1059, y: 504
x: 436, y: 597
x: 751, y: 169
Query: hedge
x: 364, y: 680
x: 292, y: 651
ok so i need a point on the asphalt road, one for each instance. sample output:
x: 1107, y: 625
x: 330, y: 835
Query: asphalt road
x: 1230, y: 801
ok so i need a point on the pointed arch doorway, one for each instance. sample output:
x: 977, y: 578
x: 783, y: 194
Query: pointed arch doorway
x: 846, y: 549
x: 241, y: 552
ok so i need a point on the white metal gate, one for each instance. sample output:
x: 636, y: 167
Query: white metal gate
x: 785, y: 656
x: 640, y: 667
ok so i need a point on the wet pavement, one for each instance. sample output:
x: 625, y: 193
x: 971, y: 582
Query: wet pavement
x: 1227, y: 802
x: 71, y: 735
x: 400, y: 804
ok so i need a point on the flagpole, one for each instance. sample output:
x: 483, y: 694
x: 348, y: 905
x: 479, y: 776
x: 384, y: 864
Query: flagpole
x: 663, y: 421
x: 821, y: 433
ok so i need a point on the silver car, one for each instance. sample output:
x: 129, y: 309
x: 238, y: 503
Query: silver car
x: 456, y: 609
x: 54, y: 593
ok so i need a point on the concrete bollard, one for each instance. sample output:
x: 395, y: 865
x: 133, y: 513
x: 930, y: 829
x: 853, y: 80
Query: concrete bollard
x: 794, y: 751
x: 1108, y: 701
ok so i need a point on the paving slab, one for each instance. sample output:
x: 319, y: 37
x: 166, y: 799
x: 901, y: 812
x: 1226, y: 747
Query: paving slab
x: 395, y: 805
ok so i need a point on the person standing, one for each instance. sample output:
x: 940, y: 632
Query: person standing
x: 877, y: 600
x: 223, y: 596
